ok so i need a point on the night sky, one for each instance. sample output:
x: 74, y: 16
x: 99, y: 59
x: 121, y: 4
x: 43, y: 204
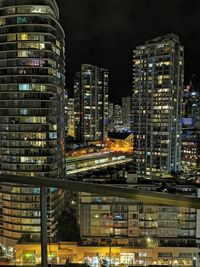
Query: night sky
x: 104, y: 33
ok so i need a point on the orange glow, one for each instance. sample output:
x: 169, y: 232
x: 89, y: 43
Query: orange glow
x: 120, y: 145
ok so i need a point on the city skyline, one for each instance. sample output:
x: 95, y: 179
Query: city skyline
x: 105, y: 33
x: 114, y: 168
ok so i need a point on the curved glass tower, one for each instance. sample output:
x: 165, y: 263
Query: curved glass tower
x: 32, y: 81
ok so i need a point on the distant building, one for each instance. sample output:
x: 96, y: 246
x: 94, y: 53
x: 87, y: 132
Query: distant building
x: 118, y: 141
x: 77, y: 108
x: 190, y: 148
x: 65, y: 112
x: 117, y: 118
x: 91, y: 103
x: 156, y: 105
x: 191, y: 130
x: 192, y: 107
x: 70, y: 117
x: 110, y: 117
x: 126, y: 112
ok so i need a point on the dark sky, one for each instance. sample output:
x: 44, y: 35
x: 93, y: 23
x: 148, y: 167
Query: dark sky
x: 104, y: 33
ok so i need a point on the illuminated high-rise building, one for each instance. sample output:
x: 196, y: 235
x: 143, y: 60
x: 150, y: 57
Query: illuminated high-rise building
x: 191, y: 130
x: 77, y: 108
x: 117, y: 118
x: 70, y: 117
x: 156, y: 105
x: 32, y: 81
x: 91, y: 103
x: 110, y: 117
x: 126, y: 112
x: 192, y: 107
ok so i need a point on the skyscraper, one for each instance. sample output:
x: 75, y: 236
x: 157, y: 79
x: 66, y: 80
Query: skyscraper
x: 191, y: 130
x: 110, y: 116
x: 156, y: 105
x: 192, y: 107
x: 32, y: 81
x: 77, y: 108
x: 117, y: 118
x: 91, y: 103
x: 126, y: 112
x: 70, y: 117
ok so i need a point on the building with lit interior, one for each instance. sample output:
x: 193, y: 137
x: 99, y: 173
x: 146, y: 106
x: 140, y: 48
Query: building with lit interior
x: 117, y: 118
x: 190, y: 146
x: 91, y: 103
x: 116, y: 255
x: 156, y: 105
x: 70, y: 117
x: 32, y: 81
x: 110, y: 117
x: 93, y: 161
x: 192, y: 106
x: 126, y: 112
x: 77, y: 108
x: 131, y: 223
x: 191, y: 130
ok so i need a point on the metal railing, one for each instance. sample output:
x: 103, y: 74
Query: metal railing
x: 116, y: 191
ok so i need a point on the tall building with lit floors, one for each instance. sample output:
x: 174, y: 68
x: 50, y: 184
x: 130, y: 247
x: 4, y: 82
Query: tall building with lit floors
x: 91, y: 103
x: 157, y: 105
x: 121, y: 222
x: 191, y: 131
x: 32, y: 81
x: 126, y: 112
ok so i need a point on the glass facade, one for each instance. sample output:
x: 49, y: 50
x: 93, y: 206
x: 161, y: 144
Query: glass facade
x: 91, y: 103
x: 32, y: 81
x: 191, y: 130
x: 126, y: 111
x: 156, y: 105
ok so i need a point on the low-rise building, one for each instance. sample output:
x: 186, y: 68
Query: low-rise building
x: 134, y: 224
x: 96, y: 255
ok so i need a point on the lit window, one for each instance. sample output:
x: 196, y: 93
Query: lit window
x: 23, y: 111
x: 23, y: 36
x: 27, y: 45
x: 23, y: 53
x: 21, y: 20
x: 55, y: 49
x: 52, y: 135
x: 24, y: 87
x: 41, y: 9
x: 2, y: 22
x: 58, y: 43
x: 11, y: 37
